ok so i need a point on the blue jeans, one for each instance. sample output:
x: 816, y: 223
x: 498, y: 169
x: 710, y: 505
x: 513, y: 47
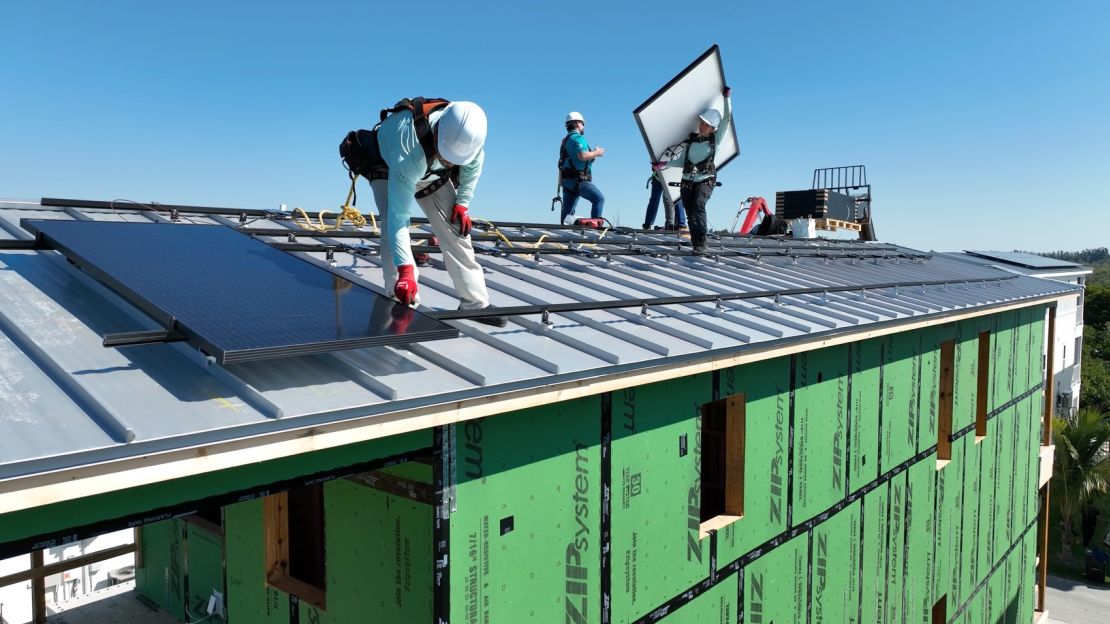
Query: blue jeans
x: 573, y: 189
x: 653, y: 206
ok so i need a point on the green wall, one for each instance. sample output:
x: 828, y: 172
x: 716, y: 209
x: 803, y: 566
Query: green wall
x: 847, y: 517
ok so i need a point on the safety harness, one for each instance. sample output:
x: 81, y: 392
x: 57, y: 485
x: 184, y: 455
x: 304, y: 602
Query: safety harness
x: 566, y: 167
x: 706, y: 166
x: 362, y: 156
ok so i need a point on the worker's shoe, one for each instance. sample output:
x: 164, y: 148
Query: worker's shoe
x: 700, y: 250
x: 495, y: 321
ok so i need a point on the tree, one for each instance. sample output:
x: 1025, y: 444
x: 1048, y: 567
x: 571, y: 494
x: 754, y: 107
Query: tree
x: 1096, y: 306
x: 1094, y: 386
x: 1082, y: 470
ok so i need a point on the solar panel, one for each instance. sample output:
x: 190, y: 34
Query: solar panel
x: 232, y: 296
x: 1027, y: 260
x: 669, y: 116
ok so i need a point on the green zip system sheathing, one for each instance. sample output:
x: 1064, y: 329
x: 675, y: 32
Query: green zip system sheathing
x: 181, y: 565
x: 526, y: 521
x: 590, y: 510
x: 379, y: 559
x: 160, y: 571
x: 37, y: 528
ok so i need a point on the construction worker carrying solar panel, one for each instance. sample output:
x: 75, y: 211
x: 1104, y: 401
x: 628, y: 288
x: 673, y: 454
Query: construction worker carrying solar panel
x: 699, y: 172
x: 576, y: 172
x: 430, y: 150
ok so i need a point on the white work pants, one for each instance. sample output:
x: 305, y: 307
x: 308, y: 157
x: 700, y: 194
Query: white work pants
x: 458, y: 252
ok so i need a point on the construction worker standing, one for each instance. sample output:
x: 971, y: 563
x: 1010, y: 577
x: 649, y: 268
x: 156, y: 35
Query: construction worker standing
x: 423, y: 147
x: 699, y: 172
x: 576, y: 170
x: 674, y: 213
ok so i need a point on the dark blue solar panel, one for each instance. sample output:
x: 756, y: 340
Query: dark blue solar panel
x: 234, y: 297
x: 1027, y: 260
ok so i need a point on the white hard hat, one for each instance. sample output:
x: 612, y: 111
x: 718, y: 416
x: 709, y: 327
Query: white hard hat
x: 575, y: 116
x: 712, y: 117
x: 462, y: 132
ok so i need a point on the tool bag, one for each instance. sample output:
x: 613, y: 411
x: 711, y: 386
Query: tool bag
x: 360, y: 154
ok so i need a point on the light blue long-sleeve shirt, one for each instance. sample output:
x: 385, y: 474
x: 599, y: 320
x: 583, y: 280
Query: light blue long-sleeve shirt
x: 698, y: 151
x: 400, y: 148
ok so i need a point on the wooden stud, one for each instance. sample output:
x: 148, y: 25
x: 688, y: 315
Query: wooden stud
x: 42, y: 571
x: 734, y: 454
x: 275, y: 516
x: 38, y: 589
x: 1049, y: 373
x: 944, y: 424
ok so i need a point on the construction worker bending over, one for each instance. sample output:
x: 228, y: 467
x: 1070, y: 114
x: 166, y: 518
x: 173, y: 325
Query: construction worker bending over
x: 428, y: 146
x: 699, y: 172
x: 576, y: 170
x: 673, y: 211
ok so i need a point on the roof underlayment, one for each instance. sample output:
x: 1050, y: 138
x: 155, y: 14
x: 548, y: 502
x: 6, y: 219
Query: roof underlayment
x: 68, y: 402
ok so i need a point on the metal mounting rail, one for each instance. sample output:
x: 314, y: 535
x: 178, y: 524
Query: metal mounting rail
x: 250, y: 212
x: 555, y: 308
x: 174, y: 210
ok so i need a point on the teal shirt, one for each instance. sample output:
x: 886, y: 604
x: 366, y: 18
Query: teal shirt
x: 699, y: 150
x: 576, y: 143
x: 407, y: 162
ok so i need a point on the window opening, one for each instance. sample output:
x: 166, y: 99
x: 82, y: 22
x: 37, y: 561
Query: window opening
x: 983, y: 387
x: 722, y: 462
x: 295, y: 550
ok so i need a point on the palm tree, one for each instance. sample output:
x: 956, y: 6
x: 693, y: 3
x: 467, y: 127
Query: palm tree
x: 1082, y: 469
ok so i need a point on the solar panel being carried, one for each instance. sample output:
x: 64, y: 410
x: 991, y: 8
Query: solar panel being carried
x: 234, y: 297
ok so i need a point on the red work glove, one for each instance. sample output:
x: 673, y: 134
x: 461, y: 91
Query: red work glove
x: 405, y: 289
x: 727, y: 92
x: 459, y: 214
x: 659, y: 166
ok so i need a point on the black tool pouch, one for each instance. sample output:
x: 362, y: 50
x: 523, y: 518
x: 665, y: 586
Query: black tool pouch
x: 361, y: 155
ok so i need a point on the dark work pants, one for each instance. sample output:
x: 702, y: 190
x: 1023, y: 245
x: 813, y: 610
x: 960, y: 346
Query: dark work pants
x: 695, y: 195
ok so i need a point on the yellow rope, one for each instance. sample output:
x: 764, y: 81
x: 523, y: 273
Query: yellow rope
x: 347, y: 213
x: 493, y: 228
x: 307, y: 224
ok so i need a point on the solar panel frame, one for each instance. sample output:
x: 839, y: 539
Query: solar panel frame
x: 667, y: 117
x: 404, y: 325
x: 1029, y: 261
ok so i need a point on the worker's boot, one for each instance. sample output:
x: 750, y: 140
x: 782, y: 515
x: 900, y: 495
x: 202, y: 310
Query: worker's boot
x: 495, y: 321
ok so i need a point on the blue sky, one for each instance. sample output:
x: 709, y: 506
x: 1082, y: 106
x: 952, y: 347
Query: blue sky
x: 982, y: 124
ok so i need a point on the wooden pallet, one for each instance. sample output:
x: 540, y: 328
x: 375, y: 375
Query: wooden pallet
x: 837, y: 224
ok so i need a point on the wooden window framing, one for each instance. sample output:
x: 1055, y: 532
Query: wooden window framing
x: 945, y: 398
x: 982, y: 390
x: 722, y: 462
x: 294, y: 534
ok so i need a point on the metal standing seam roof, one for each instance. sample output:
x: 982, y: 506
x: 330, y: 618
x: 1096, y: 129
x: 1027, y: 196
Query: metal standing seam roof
x: 68, y: 401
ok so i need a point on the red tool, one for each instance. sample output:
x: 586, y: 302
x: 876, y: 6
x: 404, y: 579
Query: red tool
x: 756, y: 207
x: 592, y: 223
